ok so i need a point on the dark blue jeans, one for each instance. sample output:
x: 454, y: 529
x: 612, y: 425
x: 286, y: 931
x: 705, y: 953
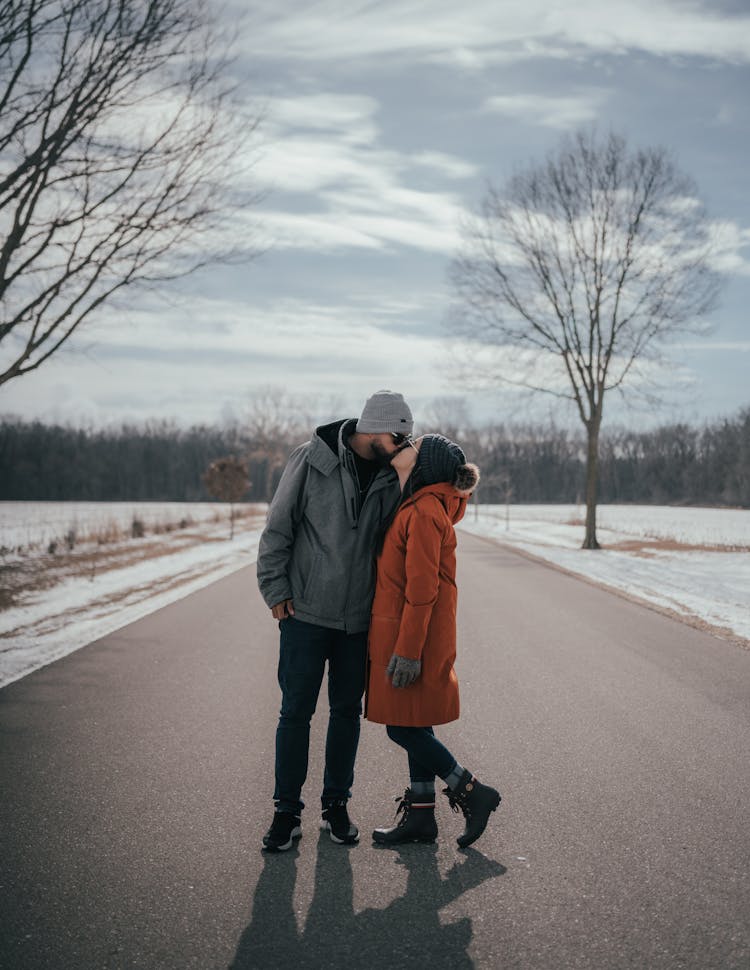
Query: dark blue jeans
x: 427, y: 756
x: 305, y: 648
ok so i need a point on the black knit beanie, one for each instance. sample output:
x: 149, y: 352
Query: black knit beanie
x: 439, y: 459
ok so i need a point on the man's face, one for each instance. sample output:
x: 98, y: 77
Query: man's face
x: 383, y: 447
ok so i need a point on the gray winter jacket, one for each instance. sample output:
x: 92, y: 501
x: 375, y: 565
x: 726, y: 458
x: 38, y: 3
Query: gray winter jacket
x: 318, y: 546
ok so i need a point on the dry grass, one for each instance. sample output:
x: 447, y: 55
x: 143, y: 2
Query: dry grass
x: 648, y: 548
x: 108, y: 548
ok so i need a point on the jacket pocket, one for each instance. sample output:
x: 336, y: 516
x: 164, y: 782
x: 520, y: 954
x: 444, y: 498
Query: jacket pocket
x: 313, y: 578
x: 383, y: 636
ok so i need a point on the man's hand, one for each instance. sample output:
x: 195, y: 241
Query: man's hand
x: 403, y: 671
x: 282, y: 610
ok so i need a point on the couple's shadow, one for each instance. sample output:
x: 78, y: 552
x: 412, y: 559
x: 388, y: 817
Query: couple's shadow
x: 405, y: 933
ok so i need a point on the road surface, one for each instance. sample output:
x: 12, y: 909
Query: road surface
x: 137, y: 779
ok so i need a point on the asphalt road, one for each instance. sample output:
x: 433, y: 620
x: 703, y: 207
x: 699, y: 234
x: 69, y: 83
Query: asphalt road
x: 136, y: 780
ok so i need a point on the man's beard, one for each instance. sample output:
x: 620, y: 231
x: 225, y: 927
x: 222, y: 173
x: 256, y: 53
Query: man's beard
x: 380, y: 455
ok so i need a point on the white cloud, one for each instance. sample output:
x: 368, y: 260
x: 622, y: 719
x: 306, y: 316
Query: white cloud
x: 427, y: 222
x: 551, y: 111
x: 448, y: 165
x: 661, y: 27
x: 361, y: 196
x: 316, y: 140
x: 539, y: 377
x: 315, y: 231
x: 430, y: 235
x: 730, y: 248
x: 717, y: 346
x: 227, y: 325
x: 195, y: 364
x: 482, y: 31
x: 301, y: 163
x: 350, y: 116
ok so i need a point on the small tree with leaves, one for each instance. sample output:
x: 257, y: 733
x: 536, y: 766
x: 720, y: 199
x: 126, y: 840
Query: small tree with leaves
x: 226, y: 479
x: 581, y: 271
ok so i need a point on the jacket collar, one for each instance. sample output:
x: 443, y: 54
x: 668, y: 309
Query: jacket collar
x: 327, y: 449
x: 321, y: 457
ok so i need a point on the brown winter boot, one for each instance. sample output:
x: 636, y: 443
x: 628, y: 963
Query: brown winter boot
x: 417, y: 822
x: 477, y: 802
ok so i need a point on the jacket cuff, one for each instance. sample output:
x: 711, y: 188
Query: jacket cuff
x: 276, y: 594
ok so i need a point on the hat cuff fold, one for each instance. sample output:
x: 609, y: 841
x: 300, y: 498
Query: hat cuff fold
x: 392, y: 426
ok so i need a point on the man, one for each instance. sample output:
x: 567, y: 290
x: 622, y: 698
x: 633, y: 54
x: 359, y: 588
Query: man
x: 316, y: 572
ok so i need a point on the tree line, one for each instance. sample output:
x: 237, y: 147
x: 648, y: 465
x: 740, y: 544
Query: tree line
x: 672, y: 464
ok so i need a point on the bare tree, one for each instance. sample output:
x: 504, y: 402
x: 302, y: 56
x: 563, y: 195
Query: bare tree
x: 273, y: 413
x: 449, y: 415
x: 583, y: 268
x: 226, y: 479
x: 120, y: 148
x: 273, y: 423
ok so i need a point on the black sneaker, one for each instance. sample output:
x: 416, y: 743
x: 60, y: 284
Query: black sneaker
x: 336, y: 820
x: 285, y: 828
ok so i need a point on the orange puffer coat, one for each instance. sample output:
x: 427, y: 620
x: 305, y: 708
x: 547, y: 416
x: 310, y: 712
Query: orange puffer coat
x: 414, y: 611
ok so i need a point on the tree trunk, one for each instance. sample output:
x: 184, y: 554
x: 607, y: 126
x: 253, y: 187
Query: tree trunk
x: 592, y: 482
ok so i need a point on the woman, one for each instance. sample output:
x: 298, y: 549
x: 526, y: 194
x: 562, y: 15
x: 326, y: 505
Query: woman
x: 412, y: 685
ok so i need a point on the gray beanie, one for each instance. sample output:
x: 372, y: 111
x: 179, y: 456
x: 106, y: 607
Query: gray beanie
x: 385, y: 412
x: 439, y: 460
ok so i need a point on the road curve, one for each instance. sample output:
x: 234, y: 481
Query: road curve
x: 136, y: 781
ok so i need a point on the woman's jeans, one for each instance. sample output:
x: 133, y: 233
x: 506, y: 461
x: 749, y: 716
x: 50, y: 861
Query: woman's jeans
x: 427, y: 756
x: 305, y: 648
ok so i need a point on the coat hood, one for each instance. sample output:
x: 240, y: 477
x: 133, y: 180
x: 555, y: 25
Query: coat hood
x: 328, y: 444
x: 453, y: 501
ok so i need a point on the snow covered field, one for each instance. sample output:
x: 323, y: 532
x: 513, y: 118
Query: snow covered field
x: 693, y: 562
x: 33, y: 525
x: 723, y: 528
x: 59, y: 602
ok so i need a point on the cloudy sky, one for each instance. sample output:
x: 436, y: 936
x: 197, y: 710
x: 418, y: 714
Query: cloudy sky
x: 383, y: 122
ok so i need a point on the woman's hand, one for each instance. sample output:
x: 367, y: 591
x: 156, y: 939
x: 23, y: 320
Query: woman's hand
x: 403, y: 671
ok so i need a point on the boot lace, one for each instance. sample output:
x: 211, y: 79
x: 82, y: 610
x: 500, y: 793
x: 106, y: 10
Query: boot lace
x: 457, y: 801
x: 404, y: 804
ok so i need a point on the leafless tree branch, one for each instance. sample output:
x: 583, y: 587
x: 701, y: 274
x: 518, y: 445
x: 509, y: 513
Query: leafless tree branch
x: 596, y: 257
x: 121, y: 160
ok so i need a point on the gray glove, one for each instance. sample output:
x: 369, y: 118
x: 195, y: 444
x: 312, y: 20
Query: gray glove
x: 403, y: 671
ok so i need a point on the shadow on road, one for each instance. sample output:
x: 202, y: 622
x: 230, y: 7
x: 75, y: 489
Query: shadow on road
x: 407, y: 933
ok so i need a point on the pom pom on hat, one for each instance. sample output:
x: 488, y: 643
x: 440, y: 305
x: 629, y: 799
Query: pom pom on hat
x: 467, y: 477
